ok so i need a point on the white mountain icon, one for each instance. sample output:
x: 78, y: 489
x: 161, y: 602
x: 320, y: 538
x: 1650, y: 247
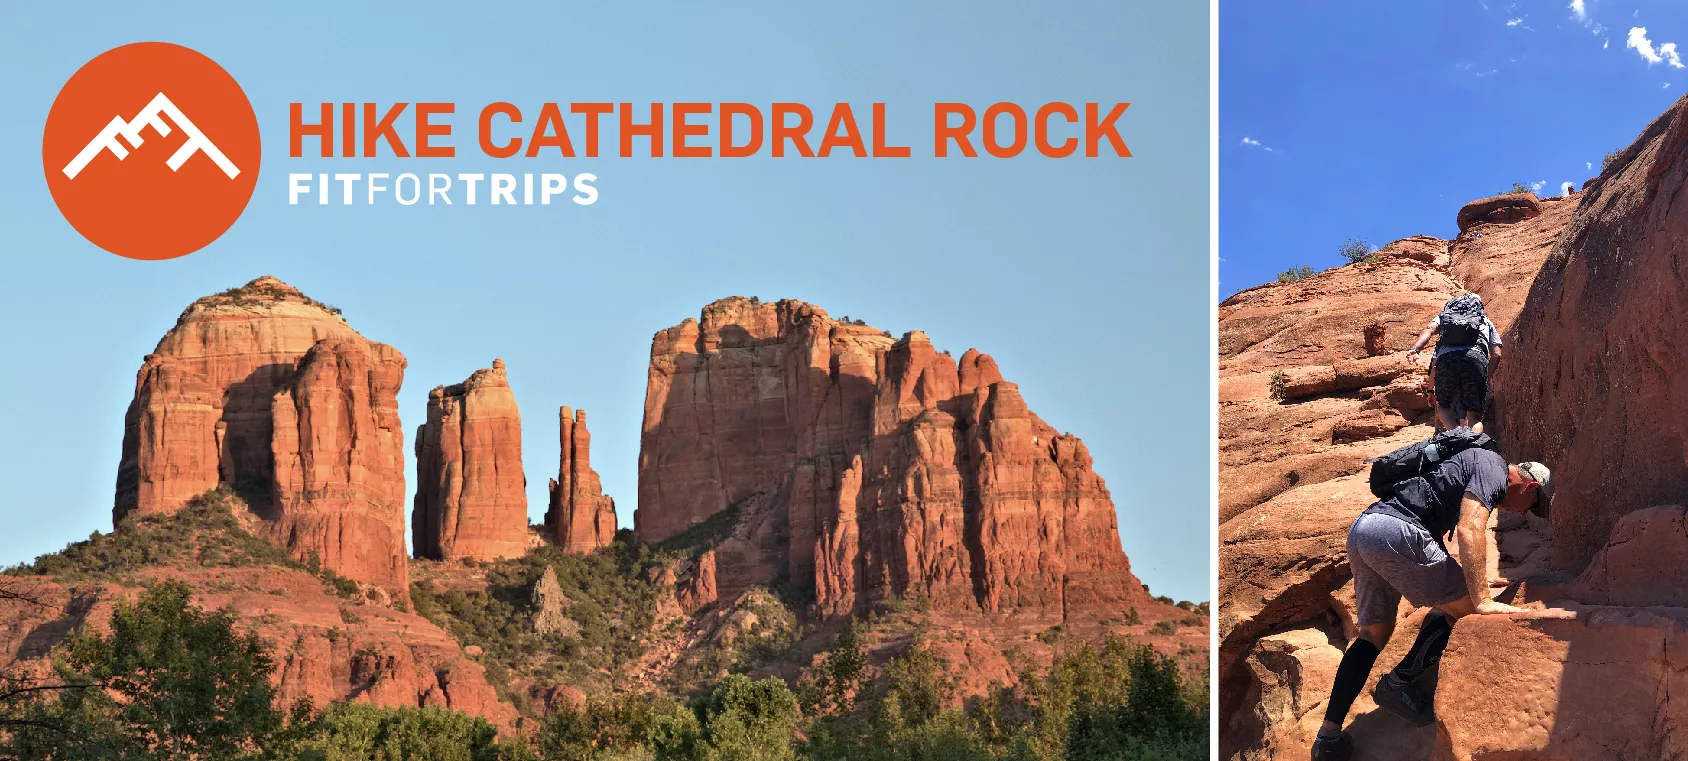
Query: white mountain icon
x: 107, y: 140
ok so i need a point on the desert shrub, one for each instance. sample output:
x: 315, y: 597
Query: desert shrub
x: 1517, y: 187
x: 1611, y: 158
x: 1293, y: 274
x: 1355, y: 250
x: 1164, y: 628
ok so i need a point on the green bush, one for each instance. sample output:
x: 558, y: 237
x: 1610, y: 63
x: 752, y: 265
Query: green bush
x: 1517, y: 187
x: 1611, y: 158
x: 1355, y: 250
x: 204, y: 533
x: 361, y: 732
x: 1293, y: 274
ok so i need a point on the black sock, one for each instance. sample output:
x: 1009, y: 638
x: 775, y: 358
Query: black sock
x: 1427, y: 649
x: 1350, y: 679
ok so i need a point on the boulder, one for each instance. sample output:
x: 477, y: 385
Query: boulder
x: 1512, y: 207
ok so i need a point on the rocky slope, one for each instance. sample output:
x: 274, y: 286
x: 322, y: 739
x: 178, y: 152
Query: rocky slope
x: 271, y: 393
x: 871, y: 467
x: 1586, y: 293
x: 581, y: 518
x: 471, y: 495
x: 1312, y: 382
x: 330, y: 642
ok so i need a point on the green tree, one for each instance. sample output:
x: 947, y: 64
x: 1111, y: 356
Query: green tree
x: 361, y: 732
x: 832, y: 686
x: 629, y: 723
x: 749, y: 721
x: 171, y: 681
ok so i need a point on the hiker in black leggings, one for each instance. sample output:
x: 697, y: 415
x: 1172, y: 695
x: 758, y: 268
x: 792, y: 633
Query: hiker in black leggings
x: 1459, y: 372
x: 1395, y: 550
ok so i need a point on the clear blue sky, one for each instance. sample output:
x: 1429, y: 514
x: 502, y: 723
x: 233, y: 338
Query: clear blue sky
x: 1384, y: 118
x: 1086, y: 279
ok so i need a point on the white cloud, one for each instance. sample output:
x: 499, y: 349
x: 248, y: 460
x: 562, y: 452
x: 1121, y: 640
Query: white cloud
x: 1588, y: 164
x: 1252, y: 143
x: 1565, y: 188
x: 1605, y: 44
x: 1581, y: 10
x: 1515, y: 22
x: 1535, y: 187
x: 1666, y: 52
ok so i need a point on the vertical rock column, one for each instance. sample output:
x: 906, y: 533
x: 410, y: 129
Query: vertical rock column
x: 581, y: 518
x: 471, y: 495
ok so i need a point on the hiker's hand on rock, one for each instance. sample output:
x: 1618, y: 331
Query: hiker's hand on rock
x: 1412, y: 356
x: 1500, y: 583
x: 1492, y: 608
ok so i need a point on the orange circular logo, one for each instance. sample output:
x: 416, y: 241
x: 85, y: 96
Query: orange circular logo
x: 151, y: 151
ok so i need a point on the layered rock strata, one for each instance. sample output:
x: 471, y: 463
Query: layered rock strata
x: 580, y: 518
x: 266, y: 391
x: 866, y: 467
x: 471, y: 494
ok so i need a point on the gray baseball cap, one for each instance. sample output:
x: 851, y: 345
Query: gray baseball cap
x: 1539, y: 473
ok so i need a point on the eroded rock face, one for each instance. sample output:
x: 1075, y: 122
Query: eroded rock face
x: 1312, y: 383
x: 872, y: 467
x: 1512, y: 207
x: 1605, y: 390
x: 271, y: 393
x: 581, y: 518
x: 471, y: 494
x: 1599, y: 685
x: 697, y: 589
x: 339, y: 462
x: 326, y: 648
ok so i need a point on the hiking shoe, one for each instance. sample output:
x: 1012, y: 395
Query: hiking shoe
x: 1404, y: 700
x: 1337, y: 748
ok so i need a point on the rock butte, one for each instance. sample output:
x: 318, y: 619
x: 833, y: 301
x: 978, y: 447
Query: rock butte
x: 1585, y: 292
x: 581, y: 518
x: 868, y: 467
x: 271, y: 393
x: 471, y: 495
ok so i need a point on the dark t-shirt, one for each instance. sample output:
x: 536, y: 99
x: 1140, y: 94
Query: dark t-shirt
x: 1478, y: 472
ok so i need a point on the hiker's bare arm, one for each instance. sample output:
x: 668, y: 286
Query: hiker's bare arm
x: 1423, y: 340
x: 1472, y: 533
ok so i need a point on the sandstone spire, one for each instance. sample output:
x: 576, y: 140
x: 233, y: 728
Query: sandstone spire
x: 581, y: 518
x: 471, y: 495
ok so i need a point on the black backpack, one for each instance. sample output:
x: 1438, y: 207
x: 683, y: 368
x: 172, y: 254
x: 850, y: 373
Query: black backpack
x: 1390, y: 471
x: 1462, y: 322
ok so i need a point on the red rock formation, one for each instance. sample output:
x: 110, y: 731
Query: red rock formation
x: 471, y: 495
x: 1311, y: 384
x: 698, y: 588
x: 326, y: 648
x: 265, y: 390
x: 871, y: 467
x: 1512, y: 207
x: 1604, y: 395
x: 581, y: 518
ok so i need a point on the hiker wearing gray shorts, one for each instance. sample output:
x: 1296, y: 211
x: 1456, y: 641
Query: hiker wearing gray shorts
x: 1395, y: 549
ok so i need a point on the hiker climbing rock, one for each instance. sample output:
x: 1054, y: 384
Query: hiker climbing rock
x: 1449, y: 483
x: 1467, y: 348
